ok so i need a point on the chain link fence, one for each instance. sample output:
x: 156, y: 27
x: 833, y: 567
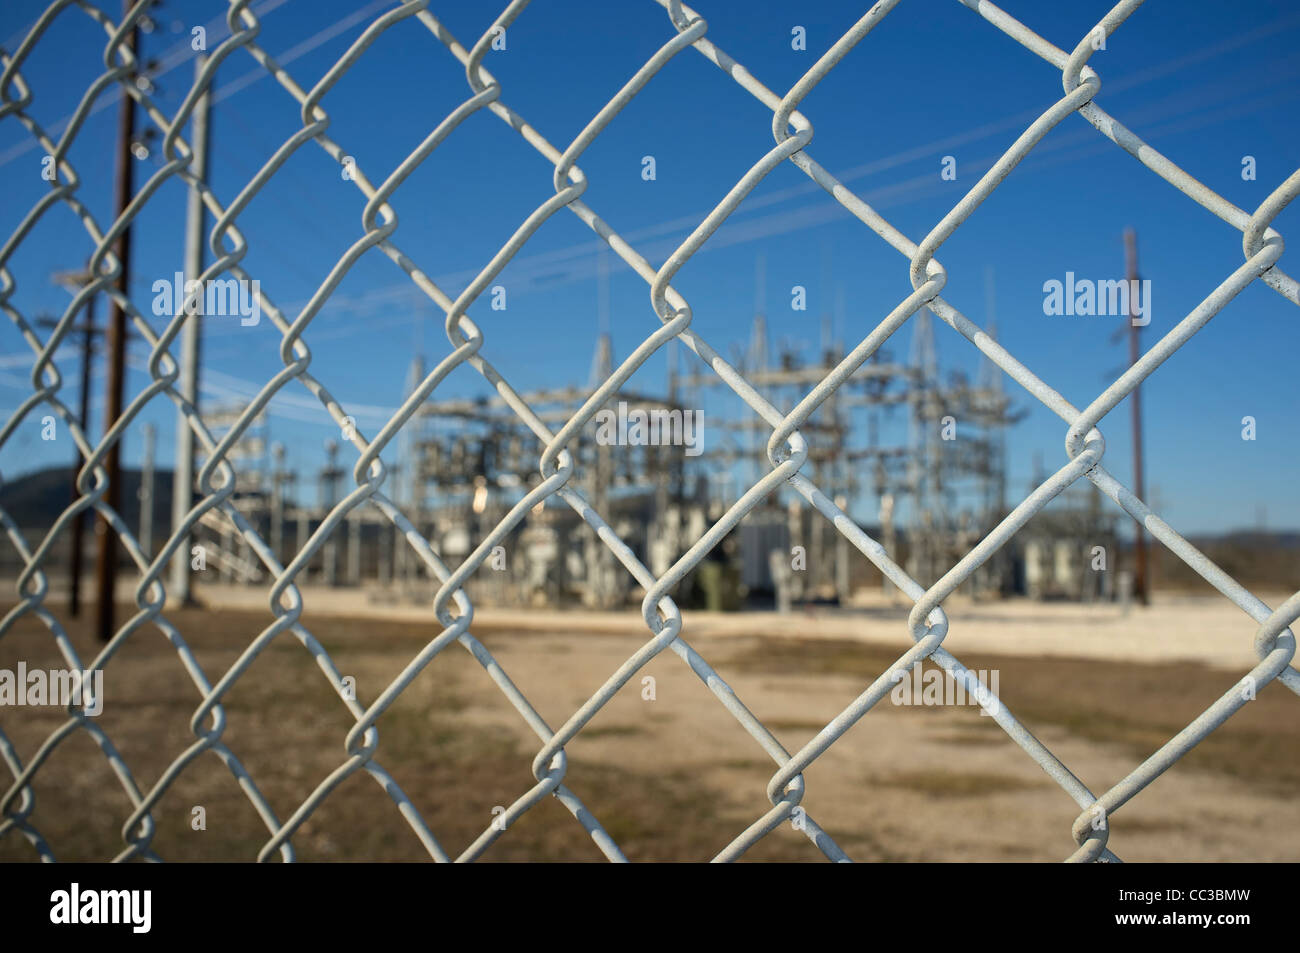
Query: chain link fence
x: 687, y: 34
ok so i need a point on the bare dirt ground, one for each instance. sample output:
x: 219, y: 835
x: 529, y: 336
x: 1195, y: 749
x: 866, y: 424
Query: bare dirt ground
x: 677, y: 778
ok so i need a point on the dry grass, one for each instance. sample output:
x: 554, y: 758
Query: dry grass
x: 1130, y: 704
x: 956, y: 784
x: 675, y: 780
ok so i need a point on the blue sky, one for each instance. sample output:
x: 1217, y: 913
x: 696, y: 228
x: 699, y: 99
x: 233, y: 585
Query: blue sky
x: 1204, y: 86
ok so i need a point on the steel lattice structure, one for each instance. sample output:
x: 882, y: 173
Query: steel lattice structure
x: 787, y: 448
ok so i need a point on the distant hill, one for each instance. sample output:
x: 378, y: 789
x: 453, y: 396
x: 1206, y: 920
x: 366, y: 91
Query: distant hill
x: 1253, y: 558
x: 35, y: 500
x: 1253, y: 537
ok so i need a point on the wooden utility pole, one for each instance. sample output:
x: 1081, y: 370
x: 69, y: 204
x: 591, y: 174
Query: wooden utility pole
x: 74, y: 281
x: 106, y: 571
x: 1140, y: 591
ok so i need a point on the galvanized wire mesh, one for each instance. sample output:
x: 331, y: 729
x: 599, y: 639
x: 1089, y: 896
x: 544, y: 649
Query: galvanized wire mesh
x: 787, y: 449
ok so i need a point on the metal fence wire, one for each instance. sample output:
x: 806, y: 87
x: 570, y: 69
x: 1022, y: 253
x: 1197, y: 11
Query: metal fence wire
x: 687, y: 33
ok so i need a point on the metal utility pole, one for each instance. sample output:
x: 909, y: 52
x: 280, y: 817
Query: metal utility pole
x: 407, y: 483
x: 146, y: 490
x: 188, y: 382
x: 329, y: 495
x: 1135, y: 401
x: 277, y: 500
x: 599, y: 558
x: 106, y: 571
x: 926, y: 481
x: 74, y: 281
